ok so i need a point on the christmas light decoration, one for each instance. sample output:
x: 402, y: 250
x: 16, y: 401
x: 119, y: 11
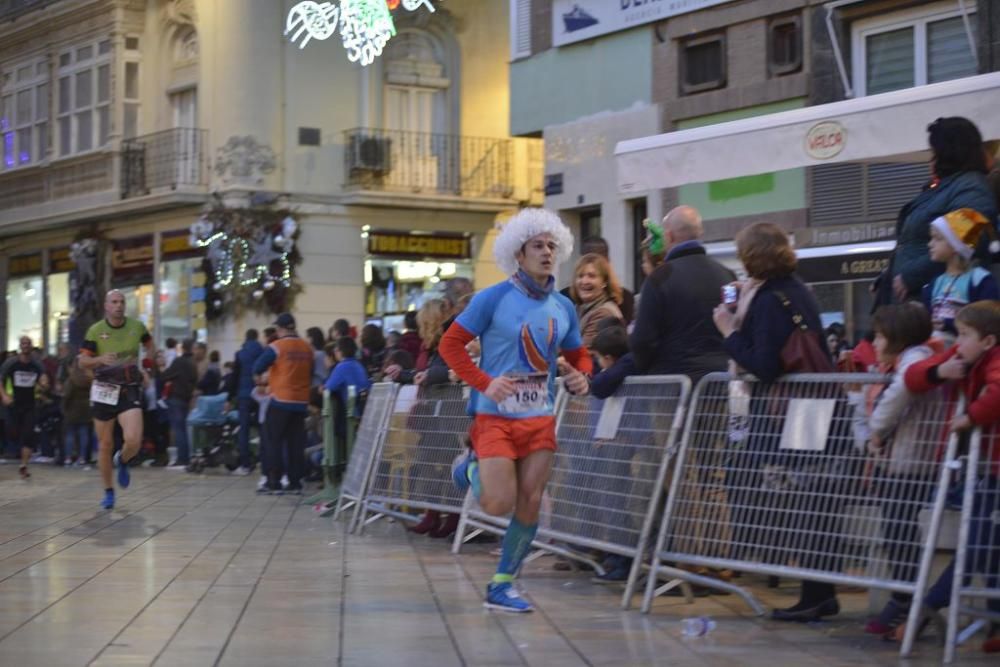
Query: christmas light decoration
x: 366, y: 26
x: 312, y: 20
x: 249, y: 252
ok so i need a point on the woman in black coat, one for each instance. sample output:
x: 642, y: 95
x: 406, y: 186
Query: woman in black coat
x: 784, y: 506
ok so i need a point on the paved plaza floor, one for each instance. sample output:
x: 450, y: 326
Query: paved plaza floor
x: 198, y: 570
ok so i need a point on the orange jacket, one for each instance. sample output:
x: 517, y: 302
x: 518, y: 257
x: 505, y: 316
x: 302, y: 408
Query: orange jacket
x: 289, y: 361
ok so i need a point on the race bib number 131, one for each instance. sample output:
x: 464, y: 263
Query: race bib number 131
x: 104, y: 393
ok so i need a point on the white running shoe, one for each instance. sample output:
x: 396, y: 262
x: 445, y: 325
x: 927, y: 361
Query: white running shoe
x: 242, y: 471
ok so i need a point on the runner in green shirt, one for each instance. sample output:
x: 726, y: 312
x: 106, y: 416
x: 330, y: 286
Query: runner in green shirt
x: 110, y: 350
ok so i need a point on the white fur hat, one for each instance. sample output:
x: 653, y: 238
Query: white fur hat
x: 527, y: 224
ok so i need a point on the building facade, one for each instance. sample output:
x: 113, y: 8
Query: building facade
x: 708, y: 62
x: 124, y: 121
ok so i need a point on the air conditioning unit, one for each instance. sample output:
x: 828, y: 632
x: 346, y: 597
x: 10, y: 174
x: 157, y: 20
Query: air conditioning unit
x: 369, y: 154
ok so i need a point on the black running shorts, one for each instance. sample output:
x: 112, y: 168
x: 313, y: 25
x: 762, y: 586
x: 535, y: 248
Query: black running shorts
x: 129, y: 398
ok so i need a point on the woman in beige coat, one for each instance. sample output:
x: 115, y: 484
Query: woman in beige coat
x: 596, y: 293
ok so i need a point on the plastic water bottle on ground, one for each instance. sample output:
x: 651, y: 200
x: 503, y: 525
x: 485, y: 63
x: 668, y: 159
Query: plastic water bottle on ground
x: 698, y: 626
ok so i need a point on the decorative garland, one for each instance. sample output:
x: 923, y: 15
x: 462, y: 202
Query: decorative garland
x: 250, y: 259
x: 84, y: 279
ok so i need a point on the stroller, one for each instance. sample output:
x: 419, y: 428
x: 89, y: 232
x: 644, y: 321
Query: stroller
x: 213, y: 434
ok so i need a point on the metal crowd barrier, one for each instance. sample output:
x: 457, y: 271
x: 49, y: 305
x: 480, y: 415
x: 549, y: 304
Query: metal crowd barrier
x: 977, y: 558
x: 775, y: 480
x: 608, y: 474
x: 378, y: 408
x: 426, y: 430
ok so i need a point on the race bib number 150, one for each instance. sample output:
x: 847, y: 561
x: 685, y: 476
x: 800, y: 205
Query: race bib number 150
x: 530, y: 395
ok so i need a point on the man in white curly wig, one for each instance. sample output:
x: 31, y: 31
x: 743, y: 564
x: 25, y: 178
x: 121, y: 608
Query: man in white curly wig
x: 522, y: 325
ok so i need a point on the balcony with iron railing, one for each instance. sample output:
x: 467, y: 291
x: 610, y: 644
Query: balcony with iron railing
x: 169, y: 160
x: 163, y: 169
x: 429, y: 164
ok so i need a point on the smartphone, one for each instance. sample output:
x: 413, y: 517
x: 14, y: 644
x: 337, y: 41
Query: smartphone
x: 730, y: 294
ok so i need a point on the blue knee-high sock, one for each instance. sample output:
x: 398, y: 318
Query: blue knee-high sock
x: 516, y: 544
x: 472, y: 473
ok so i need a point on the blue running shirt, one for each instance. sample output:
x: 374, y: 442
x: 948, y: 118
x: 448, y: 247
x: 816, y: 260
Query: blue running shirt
x: 519, y: 334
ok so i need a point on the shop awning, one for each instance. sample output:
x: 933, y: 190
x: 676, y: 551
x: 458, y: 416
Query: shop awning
x: 878, y: 128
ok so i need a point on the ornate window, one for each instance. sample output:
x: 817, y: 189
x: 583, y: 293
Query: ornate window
x: 24, y: 114
x: 84, y: 97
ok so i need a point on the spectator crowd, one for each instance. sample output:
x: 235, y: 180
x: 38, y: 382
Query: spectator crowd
x: 935, y: 328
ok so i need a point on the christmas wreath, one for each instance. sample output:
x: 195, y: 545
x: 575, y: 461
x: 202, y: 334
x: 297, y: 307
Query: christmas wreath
x: 250, y: 259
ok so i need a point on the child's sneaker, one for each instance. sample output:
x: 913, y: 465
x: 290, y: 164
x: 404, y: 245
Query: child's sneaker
x: 504, y: 597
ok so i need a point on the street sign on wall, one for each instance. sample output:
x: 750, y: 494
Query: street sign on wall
x: 577, y: 20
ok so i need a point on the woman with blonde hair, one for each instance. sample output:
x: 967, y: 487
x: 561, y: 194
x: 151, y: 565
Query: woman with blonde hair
x: 430, y: 370
x: 596, y: 293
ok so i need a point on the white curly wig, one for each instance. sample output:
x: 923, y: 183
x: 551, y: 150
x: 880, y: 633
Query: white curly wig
x: 527, y: 224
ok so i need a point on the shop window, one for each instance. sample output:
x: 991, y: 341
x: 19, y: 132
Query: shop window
x: 24, y: 310
x: 393, y: 287
x: 59, y: 310
x: 784, y: 45
x: 703, y: 63
x: 139, y: 303
x: 913, y: 48
x: 24, y: 114
x: 178, y: 292
x: 84, y: 98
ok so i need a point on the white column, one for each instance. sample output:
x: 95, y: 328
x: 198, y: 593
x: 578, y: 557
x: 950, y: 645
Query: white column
x: 242, y: 72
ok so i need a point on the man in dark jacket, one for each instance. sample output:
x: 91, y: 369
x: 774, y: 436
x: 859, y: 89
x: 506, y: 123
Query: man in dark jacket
x: 241, y: 389
x: 674, y: 333
x: 182, y: 376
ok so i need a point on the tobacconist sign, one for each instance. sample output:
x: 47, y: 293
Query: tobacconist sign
x: 408, y: 244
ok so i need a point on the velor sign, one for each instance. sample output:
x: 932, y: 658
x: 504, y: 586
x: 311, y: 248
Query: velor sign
x: 436, y: 246
x: 825, y: 140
